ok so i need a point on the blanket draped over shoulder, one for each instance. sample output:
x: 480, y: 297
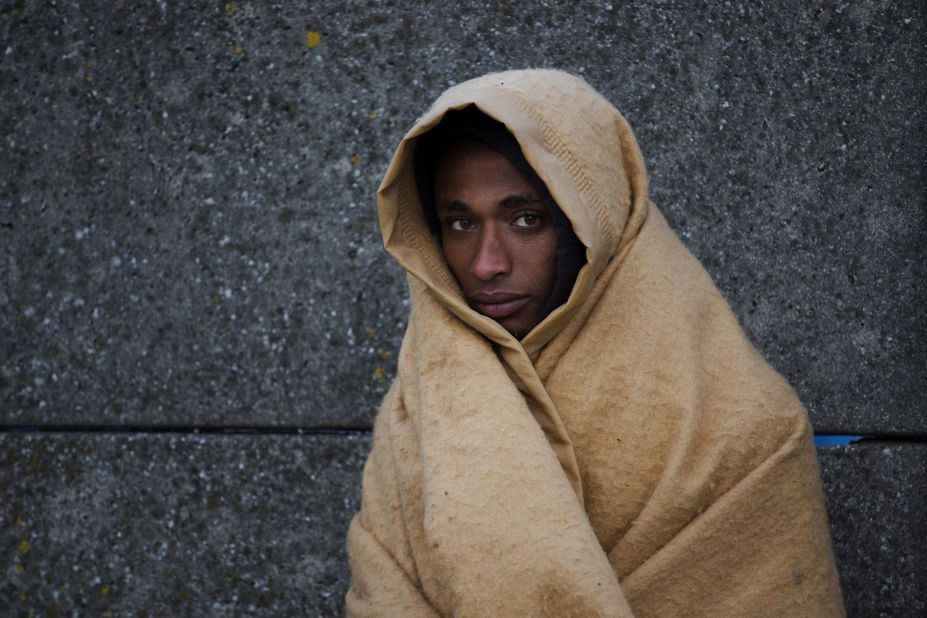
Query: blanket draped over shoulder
x: 632, y: 455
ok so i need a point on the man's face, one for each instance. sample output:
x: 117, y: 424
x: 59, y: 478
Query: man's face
x: 498, y: 238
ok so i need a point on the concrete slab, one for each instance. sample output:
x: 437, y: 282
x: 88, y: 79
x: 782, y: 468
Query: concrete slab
x: 176, y: 525
x: 876, y: 501
x: 215, y: 525
x: 187, y: 229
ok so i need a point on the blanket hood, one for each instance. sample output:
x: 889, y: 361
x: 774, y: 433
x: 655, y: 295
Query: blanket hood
x: 559, y: 122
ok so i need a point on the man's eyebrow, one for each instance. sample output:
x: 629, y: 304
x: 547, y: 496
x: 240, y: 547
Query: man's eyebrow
x: 454, y: 206
x: 511, y: 201
x: 519, y: 199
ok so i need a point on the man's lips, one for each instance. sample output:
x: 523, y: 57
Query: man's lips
x: 498, y: 305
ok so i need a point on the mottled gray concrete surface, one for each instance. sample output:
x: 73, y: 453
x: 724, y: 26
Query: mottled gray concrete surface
x: 176, y: 525
x: 187, y: 226
x: 877, y: 504
x: 183, y: 525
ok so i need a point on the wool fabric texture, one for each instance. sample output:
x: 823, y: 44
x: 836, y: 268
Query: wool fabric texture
x: 633, y: 455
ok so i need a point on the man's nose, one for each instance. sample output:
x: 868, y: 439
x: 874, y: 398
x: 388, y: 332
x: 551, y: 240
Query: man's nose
x: 492, y: 258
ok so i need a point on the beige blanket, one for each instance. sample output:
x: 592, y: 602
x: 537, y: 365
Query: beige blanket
x: 632, y: 455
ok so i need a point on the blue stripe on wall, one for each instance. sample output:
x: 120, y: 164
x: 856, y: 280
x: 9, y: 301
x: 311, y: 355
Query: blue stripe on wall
x: 836, y: 440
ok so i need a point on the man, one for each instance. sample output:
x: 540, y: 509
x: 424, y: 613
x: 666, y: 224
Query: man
x: 578, y: 426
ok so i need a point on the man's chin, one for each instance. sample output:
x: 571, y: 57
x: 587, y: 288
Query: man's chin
x: 518, y: 327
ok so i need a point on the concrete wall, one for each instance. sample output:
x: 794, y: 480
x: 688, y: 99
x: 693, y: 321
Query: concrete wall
x: 188, y: 244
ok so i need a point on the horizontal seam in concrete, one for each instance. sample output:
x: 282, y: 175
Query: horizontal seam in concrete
x: 189, y: 429
x: 868, y: 438
x: 272, y: 430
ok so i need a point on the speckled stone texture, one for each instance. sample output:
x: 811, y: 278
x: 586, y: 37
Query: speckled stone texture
x: 877, y: 504
x: 174, y: 525
x: 170, y: 525
x: 187, y: 225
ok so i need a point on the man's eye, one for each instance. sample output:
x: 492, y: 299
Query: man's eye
x: 460, y: 225
x: 527, y: 220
